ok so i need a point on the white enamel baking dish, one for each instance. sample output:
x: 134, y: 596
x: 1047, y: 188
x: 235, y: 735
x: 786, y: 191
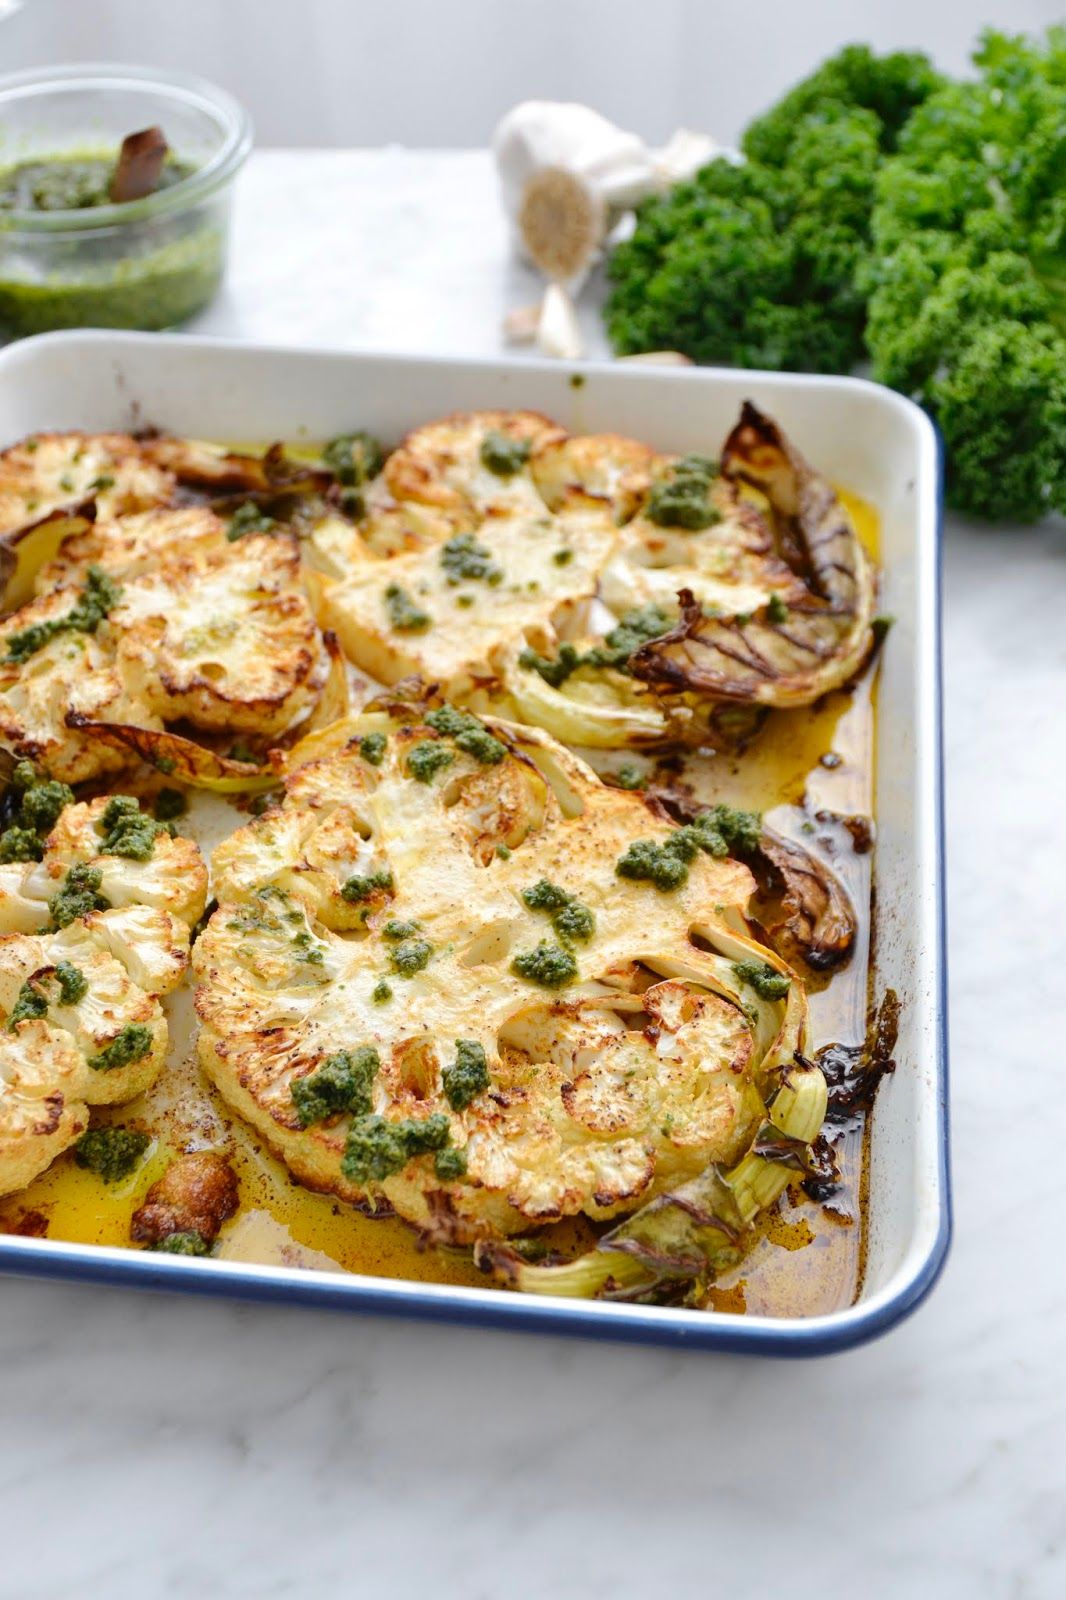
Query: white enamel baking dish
x: 859, y: 434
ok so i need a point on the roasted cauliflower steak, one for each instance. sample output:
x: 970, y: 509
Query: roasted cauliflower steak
x: 431, y: 985
x: 90, y: 937
x: 590, y: 586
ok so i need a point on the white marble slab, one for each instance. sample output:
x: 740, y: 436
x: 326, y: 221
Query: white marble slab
x: 163, y: 1447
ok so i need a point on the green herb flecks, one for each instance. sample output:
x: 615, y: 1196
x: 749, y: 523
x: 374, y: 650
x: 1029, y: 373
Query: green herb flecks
x: 363, y: 886
x: 463, y: 558
x: 99, y: 596
x: 635, y: 628
x: 249, y: 518
x: 682, y: 499
x: 768, y: 983
x: 503, y: 455
x: 341, y: 1084
x: 354, y: 458
x: 112, y: 1153
x: 404, y: 614
x: 372, y: 748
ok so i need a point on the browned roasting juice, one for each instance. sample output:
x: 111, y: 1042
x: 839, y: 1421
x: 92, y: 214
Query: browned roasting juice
x: 806, y: 769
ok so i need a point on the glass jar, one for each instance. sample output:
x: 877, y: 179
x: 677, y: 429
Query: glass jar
x: 148, y: 263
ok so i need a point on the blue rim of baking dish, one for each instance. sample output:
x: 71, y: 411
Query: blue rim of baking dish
x: 494, y: 1308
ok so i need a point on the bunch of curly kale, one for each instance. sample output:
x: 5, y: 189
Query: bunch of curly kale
x: 884, y: 213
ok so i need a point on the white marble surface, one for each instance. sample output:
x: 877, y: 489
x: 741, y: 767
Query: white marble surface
x: 165, y: 1447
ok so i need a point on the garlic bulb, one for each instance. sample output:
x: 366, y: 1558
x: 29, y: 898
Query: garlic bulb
x: 567, y: 174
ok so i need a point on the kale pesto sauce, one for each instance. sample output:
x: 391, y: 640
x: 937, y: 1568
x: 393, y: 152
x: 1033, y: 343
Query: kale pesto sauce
x: 147, y: 272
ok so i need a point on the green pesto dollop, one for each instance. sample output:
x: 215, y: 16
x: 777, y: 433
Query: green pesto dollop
x: 776, y: 609
x: 503, y: 455
x: 396, y: 930
x: 449, y: 1164
x: 469, y: 735
x: 112, y: 1153
x: 30, y: 1003
x: 427, y: 758
x: 155, y: 273
x: 363, y: 885
x: 372, y: 748
x: 376, y: 1148
x: 570, y: 918
x: 169, y: 805
x: 682, y: 499
x: 79, y: 895
x: 354, y: 458
x: 33, y: 816
x: 381, y: 993
x: 635, y: 628
x: 410, y: 957
x: 73, y: 984
x: 462, y: 557
x: 130, y: 1044
x: 768, y: 983
x: 716, y: 832
x: 467, y: 1075
x: 185, y: 1243
x: 127, y: 830
x: 550, y: 965
x: 99, y: 596
x: 405, y: 615
x: 342, y: 1083
x: 249, y: 518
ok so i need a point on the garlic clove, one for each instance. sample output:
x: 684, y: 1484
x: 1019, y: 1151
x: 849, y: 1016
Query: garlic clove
x: 558, y: 332
x: 520, y: 325
x: 682, y: 156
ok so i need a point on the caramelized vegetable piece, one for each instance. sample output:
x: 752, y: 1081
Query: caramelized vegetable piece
x: 822, y: 638
x: 196, y: 1195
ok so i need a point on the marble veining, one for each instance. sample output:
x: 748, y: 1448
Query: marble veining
x: 169, y: 1448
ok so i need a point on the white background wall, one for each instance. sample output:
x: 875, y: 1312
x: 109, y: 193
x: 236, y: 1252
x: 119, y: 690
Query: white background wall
x: 440, y: 72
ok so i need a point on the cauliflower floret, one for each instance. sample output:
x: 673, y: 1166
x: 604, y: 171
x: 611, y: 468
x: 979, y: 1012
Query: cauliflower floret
x: 41, y: 1112
x: 520, y: 1032
x: 72, y: 675
x: 171, y: 877
x: 134, y: 546
x: 80, y: 1019
x: 52, y: 470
